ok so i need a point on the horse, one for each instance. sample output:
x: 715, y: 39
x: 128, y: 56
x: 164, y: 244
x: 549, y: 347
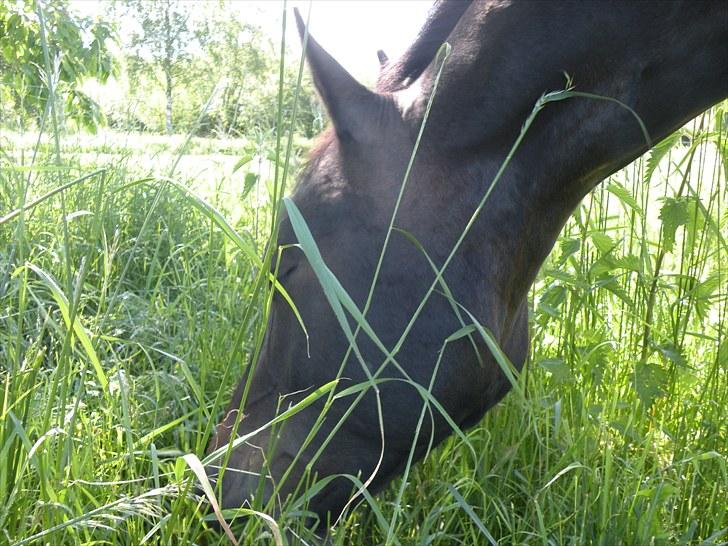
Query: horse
x: 431, y: 254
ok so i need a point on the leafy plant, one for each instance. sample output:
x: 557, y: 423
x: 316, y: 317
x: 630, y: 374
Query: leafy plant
x: 45, y: 49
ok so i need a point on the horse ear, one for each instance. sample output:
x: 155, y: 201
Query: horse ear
x: 382, y: 56
x: 351, y: 106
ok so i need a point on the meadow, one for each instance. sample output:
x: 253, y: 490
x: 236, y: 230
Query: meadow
x: 129, y: 307
x: 134, y: 294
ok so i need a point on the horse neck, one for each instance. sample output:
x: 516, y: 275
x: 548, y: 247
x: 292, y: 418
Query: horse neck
x: 662, y: 63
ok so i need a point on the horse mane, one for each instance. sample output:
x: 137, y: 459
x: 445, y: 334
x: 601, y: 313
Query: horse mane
x: 441, y: 20
x: 318, y: 149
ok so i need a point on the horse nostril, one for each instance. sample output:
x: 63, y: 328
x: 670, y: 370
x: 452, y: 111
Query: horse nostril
x: 210, y: 482
x: 198, y: 491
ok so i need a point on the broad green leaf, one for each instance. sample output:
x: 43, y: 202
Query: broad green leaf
x: 722, y: 356
x: 602, y: 241
x: 613, y: 285
x: 700, y: 224
x: 461, y: 333
x: 624, y: 196
x: 674, y: 213
x: 558, y: 368
x: 657, y: 152
x: 630, y: 262
x: 249, y: 184
x: 241, y: 162
x: 551, y: 300
x: 649, y: 381
x: 672, y: 353
x: 568, y: 247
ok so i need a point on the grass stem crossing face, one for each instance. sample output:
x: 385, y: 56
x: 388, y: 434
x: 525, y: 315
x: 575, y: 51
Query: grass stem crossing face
x: 133, y: 295
x: 422, y: 219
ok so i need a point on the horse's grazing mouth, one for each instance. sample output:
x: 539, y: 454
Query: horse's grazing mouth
x: 504, y: 56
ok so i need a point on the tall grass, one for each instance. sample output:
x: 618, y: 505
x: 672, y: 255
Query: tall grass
x: 134, y: 293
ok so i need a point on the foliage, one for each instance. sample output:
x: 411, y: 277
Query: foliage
x: 242, y: 62
x: 77, y: 48
x: 223, y: 76
x: 617, y: 436
x: 163, y: 40
x: 130, y: 305
x: 179, y: 69
x: 240, y: 57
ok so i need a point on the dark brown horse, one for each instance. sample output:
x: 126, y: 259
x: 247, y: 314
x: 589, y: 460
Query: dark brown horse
x: 488, y: 229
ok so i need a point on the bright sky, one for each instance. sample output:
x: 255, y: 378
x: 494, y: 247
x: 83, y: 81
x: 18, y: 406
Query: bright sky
x: 351, y: 30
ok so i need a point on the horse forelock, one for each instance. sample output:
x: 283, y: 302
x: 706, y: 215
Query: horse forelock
x: 315, y: 155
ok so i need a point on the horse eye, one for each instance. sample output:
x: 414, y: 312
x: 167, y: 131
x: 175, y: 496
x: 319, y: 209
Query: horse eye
x: 282, y: 274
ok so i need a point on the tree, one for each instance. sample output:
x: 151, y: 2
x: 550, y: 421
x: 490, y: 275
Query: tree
x: 236, y: 53
x: 243, y: 61
x: 164, y: 38
x: 77, y: 47
x: 219, y: 54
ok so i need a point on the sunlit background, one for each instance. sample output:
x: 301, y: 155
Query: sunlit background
x: 138, y: 193
x: 351, y: 30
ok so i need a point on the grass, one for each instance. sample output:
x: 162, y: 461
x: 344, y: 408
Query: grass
x: 131, y: 302
x: 620, y: 437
